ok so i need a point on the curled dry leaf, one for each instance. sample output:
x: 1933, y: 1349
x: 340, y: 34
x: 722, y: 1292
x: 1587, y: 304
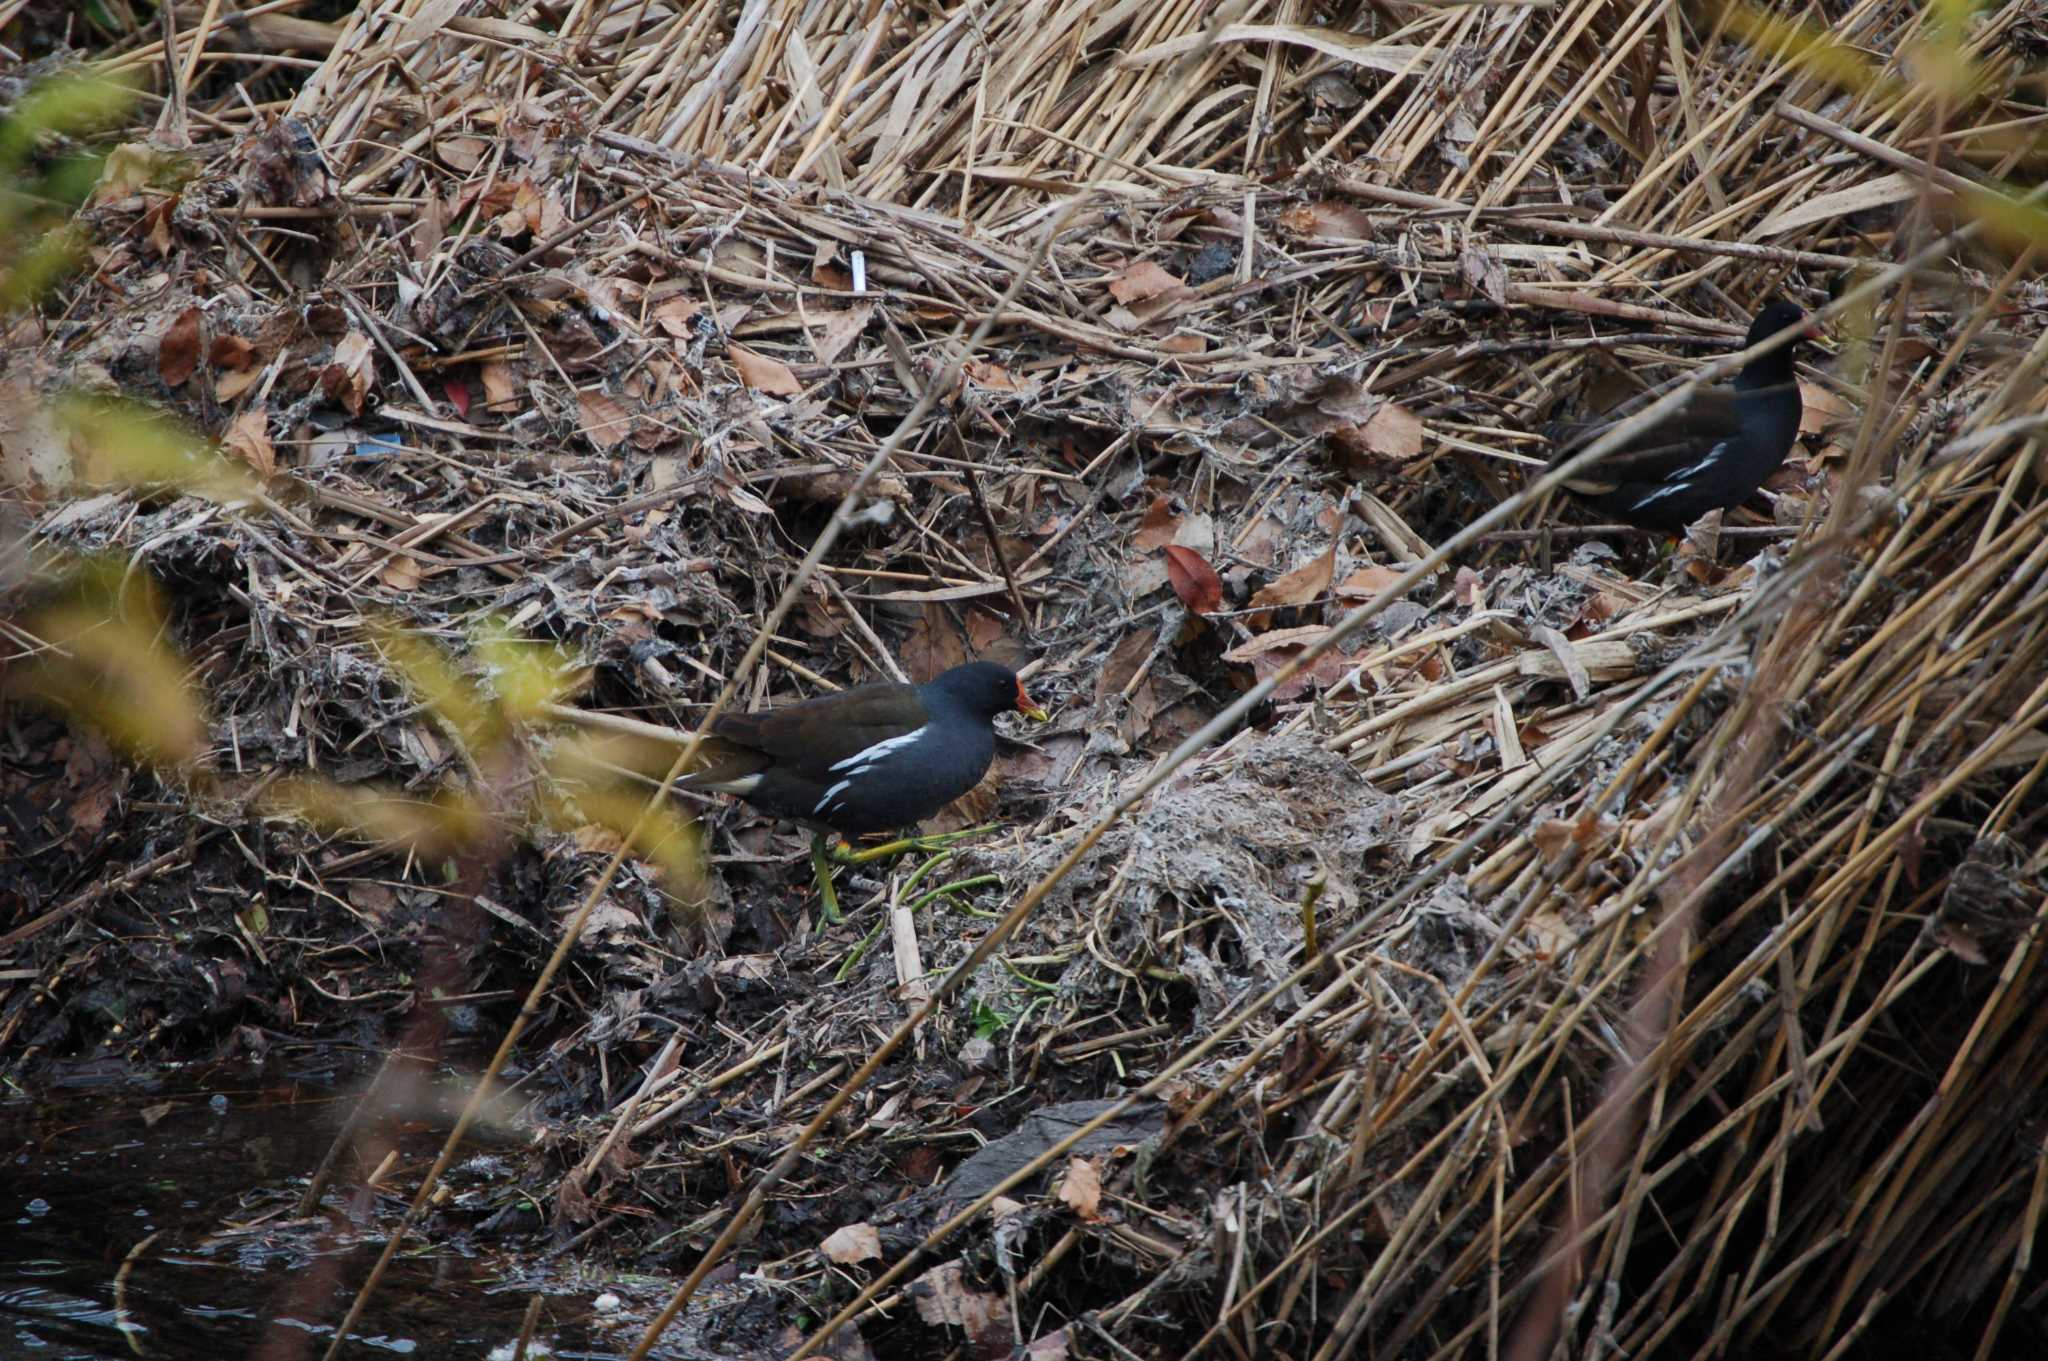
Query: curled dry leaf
x: 1298, y: 587
x: 177, y: 354
x: 763, y: 374
x: 248, y: 438
x: 852, y: 1243
x: 1142, y: 280
x: 605, y: 422
x: 346, y: 379
x: 1081, y: 1189
x: 1193, y: 580
x: 1470, y: 589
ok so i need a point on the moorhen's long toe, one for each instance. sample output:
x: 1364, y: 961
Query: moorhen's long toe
x: 1713, y: 452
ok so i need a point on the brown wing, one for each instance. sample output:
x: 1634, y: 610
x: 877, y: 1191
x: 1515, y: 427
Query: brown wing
x: 804, y: 739
x: 1708, y: 418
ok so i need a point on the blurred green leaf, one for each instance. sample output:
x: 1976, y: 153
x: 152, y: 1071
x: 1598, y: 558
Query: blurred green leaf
x: 440, y: 685
x: 123, y: 443
x: 106, y: 662
x: 2008, y: 218
x: 68, y: 105
x: 527, y: 675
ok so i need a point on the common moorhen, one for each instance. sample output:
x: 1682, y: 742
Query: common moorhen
x: 1711, y: 453
x: 873, y: 758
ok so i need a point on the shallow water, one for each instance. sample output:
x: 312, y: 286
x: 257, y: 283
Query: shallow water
x: 156, y: 1221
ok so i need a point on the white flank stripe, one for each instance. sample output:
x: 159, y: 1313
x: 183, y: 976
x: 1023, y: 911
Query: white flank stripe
x: 830, y: 794
x: 862, y: 760
x: 1678, y: 480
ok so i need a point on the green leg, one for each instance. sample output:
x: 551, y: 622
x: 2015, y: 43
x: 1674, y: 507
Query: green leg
x: 903, y: 845
x: 821, y: 865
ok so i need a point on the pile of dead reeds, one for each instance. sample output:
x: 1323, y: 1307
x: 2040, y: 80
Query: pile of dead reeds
x: 1695, y: 1008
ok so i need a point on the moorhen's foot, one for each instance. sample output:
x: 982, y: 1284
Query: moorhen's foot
x: 845, y: 855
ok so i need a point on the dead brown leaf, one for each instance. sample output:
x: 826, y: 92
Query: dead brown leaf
x: 1142, y: 280
x: 1340, y: 220
x: 834, y: 331
x: 1081, y: 1189
x: 1821, y: 410
x: 1469, y: 589
x: 1367, y: 582
x: 1394, y: 432
x: 1298, y: 587
x: 401, y: 574
x: 763, y: 374
x: 850, y: 1243
x: 1193, y: 579
x: 991, y: 375
x: 230, y: 352
x: 1156, y: 530
x: 248, y: 437
x: 177, y: 354
x: 346, y: 379
x: 605, y: 422
x: 1123, y: 663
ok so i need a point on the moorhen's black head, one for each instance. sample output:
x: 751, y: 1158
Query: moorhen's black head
x: 1774, y: 368
x: 981, y: 688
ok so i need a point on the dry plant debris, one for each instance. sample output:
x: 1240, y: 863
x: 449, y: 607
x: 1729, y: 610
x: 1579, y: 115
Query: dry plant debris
x: 1683, y: 910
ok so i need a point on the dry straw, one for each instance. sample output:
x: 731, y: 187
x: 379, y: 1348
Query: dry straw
x: 1739, y: 1043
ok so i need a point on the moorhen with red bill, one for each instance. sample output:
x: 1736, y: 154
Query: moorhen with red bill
x: 1712, y: 452
x: 874, y: 758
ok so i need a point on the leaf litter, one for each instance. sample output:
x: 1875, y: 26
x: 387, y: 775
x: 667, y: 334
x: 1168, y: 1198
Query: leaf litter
x: 593, y: 344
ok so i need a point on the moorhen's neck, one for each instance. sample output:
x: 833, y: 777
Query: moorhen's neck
x: 1773, y: 369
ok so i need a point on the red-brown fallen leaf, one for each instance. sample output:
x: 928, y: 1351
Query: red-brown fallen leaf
x: 605, y: 422
x: 346, y: 379
x: 850, y: 1243
x: 1142, y: 280
x: 1367, y: 582
x: 1081, y: 1189
x: 1301, y: 585
x: 177, y: 354
x: 1157, y: 529
x: 763, y: 374
x: 457, y: 393
x: 248, y: 436
x: 1340, y: 220
x: 1394, y: 432
x: 1193, y: 579
x: 230, y: 352
x: 1183, y: 342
